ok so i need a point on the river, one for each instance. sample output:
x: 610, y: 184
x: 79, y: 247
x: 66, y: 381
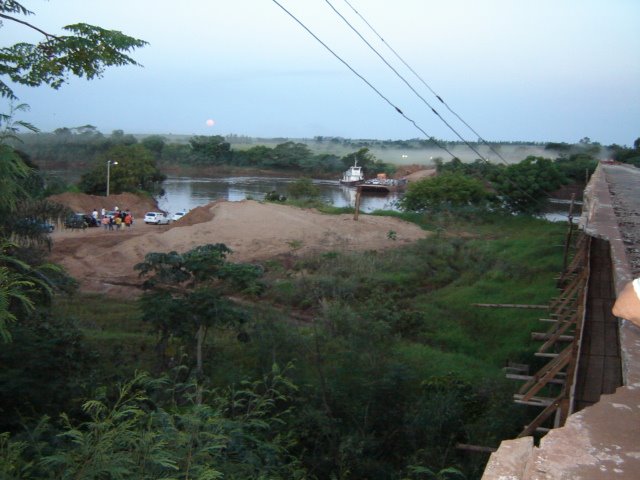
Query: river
x: 185, y: 193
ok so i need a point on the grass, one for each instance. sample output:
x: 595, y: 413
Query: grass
x: 419, y: 296
x: 112, y: 328
x: 426, y: 292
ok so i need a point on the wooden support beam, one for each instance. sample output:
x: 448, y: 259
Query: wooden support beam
x: 547, y: 336
x: 545, y: 354
x: 558, y: 333
x: 546, y: 374
x: 510, y: 305
x: 517, y: 367
x: 569, y: 293
x: 475, y: 448
x: 356, y: 211
x: 540, y: 419
x: 533, y: 401
x: 513, y: 376
x: 553, y: 366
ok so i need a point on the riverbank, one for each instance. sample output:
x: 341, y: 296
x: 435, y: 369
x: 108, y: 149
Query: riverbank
x: 102, y: 261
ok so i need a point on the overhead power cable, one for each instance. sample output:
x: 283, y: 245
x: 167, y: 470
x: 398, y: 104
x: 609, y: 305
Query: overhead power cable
x: 380, y: 94
x: 427, y: 85
x: 369, y: 84
x: 404, y: 80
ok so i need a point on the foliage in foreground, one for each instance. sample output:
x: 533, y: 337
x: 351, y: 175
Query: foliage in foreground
x: 151, y: 428
x: 393, y: 365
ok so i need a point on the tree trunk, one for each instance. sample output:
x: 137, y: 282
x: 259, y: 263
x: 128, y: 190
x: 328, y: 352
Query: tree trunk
x: 199, y: 370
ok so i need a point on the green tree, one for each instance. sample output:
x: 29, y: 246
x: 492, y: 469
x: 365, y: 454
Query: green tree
x: 134, y: 432
x: 44, y: 368
x: 289, y: 155
x: 577, y: 167
x: 185, y: 294
x: 524, y: 187
x: 627, y: 155
x: 155, y: 144
x: 448, y: 189
x: 363, y: 157
x: 135, y: 170
x: 86, y: 52
x: 303, y: 188
x: 209, y: 150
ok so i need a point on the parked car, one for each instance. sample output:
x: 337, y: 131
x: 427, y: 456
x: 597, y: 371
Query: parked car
x: 34, y: 225
x: 81, y: 220
x: 178, y: 215
x: 75, y: 221
x: 156, y: 218
x: 90, y: 219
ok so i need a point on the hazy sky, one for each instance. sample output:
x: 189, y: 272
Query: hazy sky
x: 536, y: 70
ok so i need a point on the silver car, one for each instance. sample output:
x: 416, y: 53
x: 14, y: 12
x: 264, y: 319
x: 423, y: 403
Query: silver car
x: 156, y: 218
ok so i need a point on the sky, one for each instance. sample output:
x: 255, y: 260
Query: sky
x: 514, y: 70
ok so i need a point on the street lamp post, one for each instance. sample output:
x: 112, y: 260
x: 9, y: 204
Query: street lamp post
x: 109, y: 163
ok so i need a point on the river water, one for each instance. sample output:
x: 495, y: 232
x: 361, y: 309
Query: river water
x: 185, y: 193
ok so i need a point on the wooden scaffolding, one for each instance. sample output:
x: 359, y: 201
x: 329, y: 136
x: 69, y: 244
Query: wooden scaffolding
x: 552, y: 386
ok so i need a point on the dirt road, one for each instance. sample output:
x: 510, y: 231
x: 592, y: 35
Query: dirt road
x: 102, y: 261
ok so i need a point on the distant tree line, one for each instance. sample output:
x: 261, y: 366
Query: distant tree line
x: 140, y: 161
x: 85, y: 146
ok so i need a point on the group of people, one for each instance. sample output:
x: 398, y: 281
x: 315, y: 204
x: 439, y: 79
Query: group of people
x: 113, y: 220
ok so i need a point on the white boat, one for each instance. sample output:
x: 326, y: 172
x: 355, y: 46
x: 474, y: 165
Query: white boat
x: 353, y: 176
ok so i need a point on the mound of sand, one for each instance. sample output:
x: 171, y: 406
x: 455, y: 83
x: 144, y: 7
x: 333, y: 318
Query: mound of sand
x: 81, y: 202
x: 103, y: 261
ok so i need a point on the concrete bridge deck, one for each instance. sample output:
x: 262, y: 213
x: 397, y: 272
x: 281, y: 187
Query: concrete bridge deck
x: 601, y: 440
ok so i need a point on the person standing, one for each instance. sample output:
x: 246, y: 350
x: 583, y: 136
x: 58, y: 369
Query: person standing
x: 627, y: 304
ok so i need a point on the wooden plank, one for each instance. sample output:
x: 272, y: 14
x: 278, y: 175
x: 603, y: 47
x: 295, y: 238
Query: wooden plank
x: 509, y: 305
x: 547, y: 336
x: 545, y: 354
x: 513, y: 376
x: 534, y: 401
x: 475, y: 448
x: 517, y: 367
x: 541, y: 418
x: 356, y: 211
x: 570, y: 292
x: 547, y: 372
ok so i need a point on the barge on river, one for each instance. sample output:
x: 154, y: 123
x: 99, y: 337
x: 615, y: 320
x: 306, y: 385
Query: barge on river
x: 352, y: 177
x: 382, y: 184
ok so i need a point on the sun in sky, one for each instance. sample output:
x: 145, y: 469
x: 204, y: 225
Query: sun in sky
x: 210, y: 122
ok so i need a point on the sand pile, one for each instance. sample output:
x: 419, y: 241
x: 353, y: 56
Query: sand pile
x: 103, y: 261
x: 83, y: 203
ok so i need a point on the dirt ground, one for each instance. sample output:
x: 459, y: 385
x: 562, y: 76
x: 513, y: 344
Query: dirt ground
x: 102, y: 261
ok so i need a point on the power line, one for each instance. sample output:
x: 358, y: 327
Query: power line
x: 381, y: 95
x: 369, y: 84
x: 426, y: 84
x: 403, y: 79
x: 430, y: 89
